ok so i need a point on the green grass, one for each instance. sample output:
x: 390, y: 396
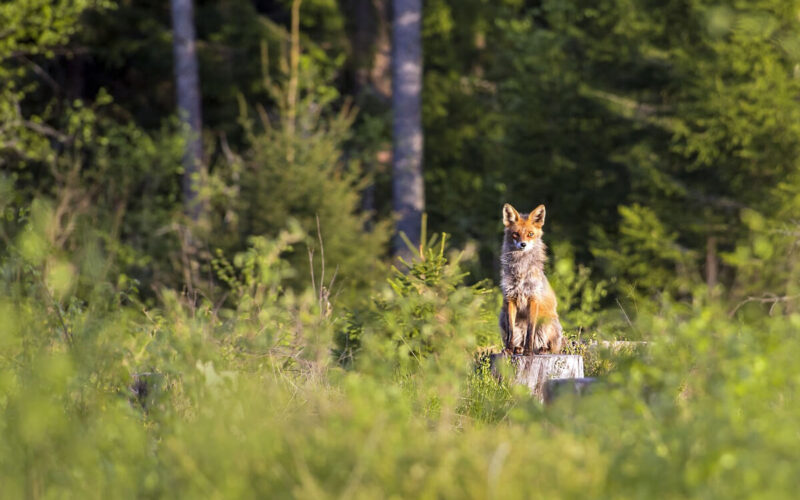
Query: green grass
x: 249, y: 401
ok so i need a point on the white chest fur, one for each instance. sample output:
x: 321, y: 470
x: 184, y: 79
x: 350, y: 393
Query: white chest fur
x: 522, y: 275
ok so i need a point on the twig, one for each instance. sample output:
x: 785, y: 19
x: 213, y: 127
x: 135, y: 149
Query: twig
x: 42, y: 73
x: 55, y: 305
x: 311, y: 267
x: 47, y: 130
x: 219, y: 304
x: 322, y: 260
x: 768, y: 299
x: 333, y: 279
x: 628, y: 319
x: 410, y: 350
x: 230, y: 157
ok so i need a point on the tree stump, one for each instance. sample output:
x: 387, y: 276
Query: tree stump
x: 535, y: 371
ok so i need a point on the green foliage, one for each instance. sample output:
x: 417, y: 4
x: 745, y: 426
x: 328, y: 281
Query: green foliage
x: 39, y: 26
x: 295, y: 168
x: 109, y: 185
x: 33, y: 29
x: 579, y: 297
x: 140, y: 357
x: 242, y: 401
x: 645, y: 255
x: 485, y: 398
x: 646, y: 129
x: 425, y: 317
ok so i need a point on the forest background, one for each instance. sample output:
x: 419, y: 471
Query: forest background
x: 263, y: 339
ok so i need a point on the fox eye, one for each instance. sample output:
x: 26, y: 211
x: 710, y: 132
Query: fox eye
x: 530, y: 235
x: 515, y: 236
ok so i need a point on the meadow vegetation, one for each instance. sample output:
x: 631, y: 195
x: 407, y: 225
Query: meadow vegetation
x: 268, y: 393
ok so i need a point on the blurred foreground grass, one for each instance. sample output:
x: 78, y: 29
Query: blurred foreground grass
x: 266, y: 397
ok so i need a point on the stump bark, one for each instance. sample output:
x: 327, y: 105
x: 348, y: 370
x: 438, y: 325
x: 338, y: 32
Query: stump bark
x: 535, y: 371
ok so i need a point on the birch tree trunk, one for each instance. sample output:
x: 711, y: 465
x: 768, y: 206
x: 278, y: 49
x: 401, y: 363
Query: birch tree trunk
x: 408, y: 193
x: 187, y: 90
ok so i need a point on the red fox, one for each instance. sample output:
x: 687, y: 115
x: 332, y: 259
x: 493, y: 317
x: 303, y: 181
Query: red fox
x: 528, y: 319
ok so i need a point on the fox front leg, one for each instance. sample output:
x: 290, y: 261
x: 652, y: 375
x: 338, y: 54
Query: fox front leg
x: 504, y: 329
x: 528, y: 350
x: 511, y: 320
x: 533, y: 321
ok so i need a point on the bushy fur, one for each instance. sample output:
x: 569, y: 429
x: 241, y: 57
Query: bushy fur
x: 529, y: 320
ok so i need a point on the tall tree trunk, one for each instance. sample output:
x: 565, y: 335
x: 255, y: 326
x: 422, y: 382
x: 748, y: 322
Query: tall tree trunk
x: 408, y: 192
x: 187, y: 89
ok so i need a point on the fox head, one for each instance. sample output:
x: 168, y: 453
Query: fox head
x: 522, y: 230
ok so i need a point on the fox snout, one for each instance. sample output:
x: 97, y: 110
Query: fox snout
x: 521, y: 245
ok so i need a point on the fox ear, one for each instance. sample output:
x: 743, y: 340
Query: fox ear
x: 510, y: 215
x: 537, y: 216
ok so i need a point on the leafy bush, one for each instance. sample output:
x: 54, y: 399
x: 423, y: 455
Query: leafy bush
x: 242, y: 400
